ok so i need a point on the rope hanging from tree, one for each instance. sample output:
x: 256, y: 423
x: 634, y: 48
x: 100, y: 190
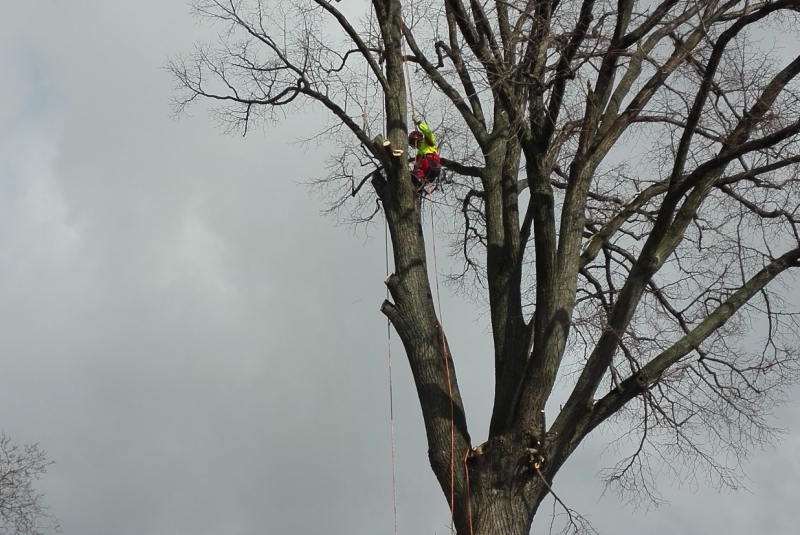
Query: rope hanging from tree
x: 405, y: 65
x: 391, y: 390
x: 445, y: 352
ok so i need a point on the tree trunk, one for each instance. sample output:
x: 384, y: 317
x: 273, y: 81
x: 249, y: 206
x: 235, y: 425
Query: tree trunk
x: 494, y: 489
x: 504, y: 487
x: 499, y: 512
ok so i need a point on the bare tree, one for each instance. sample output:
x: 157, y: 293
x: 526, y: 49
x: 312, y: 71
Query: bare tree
x: 625, y: 196
x: 22, y: 511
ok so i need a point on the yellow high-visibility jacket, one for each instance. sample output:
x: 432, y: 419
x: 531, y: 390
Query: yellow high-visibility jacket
x: 428, y: 144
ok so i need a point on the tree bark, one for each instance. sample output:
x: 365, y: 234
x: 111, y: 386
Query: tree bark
x: 506, y: 487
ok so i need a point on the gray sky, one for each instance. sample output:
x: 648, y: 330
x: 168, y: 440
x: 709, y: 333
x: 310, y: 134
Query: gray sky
x: 198, y: 349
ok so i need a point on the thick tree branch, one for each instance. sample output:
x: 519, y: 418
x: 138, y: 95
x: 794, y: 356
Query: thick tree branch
x: 654, y: 370
x: 696, y: 111
x: 473, y: 120
x: 614, y: 224
x: 666, y: 234
x: 351, y: 32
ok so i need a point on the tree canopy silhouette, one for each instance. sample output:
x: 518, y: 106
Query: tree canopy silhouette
x: 625, y: 189
x: 22, y: 509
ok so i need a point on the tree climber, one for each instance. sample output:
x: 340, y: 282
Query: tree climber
x: 427, y: 164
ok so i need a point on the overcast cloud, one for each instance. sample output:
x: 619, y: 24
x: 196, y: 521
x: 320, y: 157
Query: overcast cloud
x: 198, y: 349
